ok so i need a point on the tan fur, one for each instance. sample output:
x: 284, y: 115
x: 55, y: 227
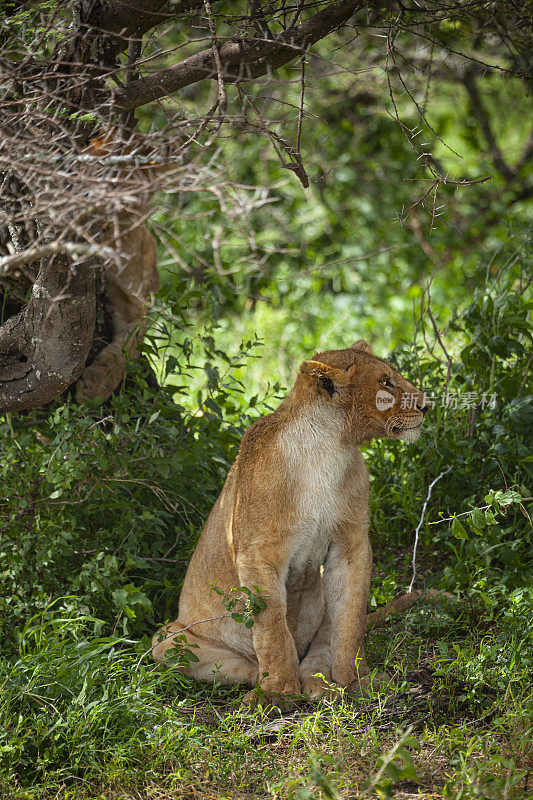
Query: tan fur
x: 132, y: 278
x: 129, y: 287
x: 292, y: 519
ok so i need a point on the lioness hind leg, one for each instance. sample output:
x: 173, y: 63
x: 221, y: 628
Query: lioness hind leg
x: 215, y: 662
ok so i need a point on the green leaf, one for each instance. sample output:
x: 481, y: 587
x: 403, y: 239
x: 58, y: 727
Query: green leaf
x: 477, y: 518
x: 507, y: 498
x: 212, y: 406
x: 458, y: 531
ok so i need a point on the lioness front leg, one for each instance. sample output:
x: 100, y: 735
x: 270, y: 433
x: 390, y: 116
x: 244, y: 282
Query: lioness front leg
x: 347, y: 583
x: 317, y: 662
x: 273, y: 643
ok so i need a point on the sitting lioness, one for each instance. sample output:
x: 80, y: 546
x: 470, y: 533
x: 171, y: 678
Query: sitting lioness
x: 292, y: 519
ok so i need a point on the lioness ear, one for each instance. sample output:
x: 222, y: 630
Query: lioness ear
x: 328, y: 379
x: 365, y: 347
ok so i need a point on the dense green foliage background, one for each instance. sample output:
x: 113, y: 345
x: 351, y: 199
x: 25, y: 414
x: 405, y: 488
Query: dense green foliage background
x: 101, y: 507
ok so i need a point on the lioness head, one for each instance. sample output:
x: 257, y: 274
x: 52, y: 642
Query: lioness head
x: 374, y: 398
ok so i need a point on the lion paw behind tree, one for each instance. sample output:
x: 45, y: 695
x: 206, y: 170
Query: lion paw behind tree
x: 292, y: 519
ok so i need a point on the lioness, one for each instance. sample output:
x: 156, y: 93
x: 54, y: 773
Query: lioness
x: 292, y: 519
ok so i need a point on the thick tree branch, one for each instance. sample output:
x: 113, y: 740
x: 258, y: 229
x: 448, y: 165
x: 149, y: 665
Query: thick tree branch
x: 125, y: 17
x: 240, y: 60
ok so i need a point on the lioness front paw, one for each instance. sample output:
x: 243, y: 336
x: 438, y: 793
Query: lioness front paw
x: 282, y: 684
x: 269, y: 699
x: 346, y: 676
x: 318, y: 687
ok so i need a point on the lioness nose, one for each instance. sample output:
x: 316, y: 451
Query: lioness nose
x: 424, y: 409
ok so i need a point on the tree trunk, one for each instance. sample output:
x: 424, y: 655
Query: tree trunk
x: 75, y: 276
x: 43, y: 348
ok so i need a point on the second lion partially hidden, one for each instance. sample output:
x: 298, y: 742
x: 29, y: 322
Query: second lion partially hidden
x: 292, y: 519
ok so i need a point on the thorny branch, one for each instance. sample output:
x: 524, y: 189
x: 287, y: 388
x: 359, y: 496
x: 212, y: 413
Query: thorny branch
x: 76, y: 249
x: 76, y: 181
x: 222, y: 101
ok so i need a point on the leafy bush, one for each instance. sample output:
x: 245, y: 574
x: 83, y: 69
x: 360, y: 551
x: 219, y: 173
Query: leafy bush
x: 106, y: 503
x: 102, y: 508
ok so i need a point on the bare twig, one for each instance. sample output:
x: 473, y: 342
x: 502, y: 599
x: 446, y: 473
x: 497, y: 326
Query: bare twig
x: 422, y: 516
x: 222, y: 102
x: 425, y: 307
x: 524, y: 379
x: 243, y: 60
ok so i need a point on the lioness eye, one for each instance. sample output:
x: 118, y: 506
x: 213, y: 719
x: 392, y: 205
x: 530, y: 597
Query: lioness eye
x: 387, y: 382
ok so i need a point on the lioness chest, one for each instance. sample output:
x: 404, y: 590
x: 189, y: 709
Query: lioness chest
x: 322, y: 472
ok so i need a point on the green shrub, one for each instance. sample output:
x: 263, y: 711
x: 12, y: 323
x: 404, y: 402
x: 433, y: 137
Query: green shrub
x: 102, y: 507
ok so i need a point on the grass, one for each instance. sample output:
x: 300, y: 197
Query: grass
x: 82, y: 719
